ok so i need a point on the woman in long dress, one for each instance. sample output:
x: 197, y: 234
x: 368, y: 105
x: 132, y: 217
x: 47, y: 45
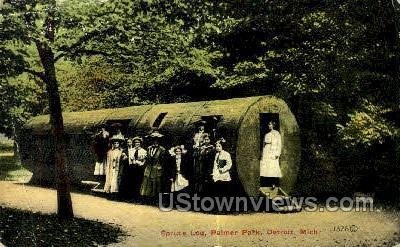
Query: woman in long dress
x: 270, y: 171
x: 202, y: 166
x: 154, y: 179
x: 132, y: 174
x: 221, y: 170
x: 113, y: 167
x: 100, y: 146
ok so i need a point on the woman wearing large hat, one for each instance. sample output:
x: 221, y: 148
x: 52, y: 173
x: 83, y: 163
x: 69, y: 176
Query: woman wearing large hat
x: 113, y: 166
x: 132, y: 176
x: 154, y: 179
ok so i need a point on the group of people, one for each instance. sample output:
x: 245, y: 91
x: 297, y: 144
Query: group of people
x: 132, y: 171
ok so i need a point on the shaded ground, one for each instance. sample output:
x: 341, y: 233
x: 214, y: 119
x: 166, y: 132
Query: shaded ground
x: 145, y: 224
x: 24, y: 228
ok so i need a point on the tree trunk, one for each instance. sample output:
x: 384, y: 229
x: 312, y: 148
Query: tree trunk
x: 64, y: 202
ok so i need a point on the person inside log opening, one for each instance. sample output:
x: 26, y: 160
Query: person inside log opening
x: 270, y: 172
x: 132, y: 174
x: 202, y: 166
x: 213, y: 132
x: 113, y: 167
x: 198, y: 135
x: 154, y: 178
x: 178, y: 170
x: 221, y: 170
x: 101, y: 146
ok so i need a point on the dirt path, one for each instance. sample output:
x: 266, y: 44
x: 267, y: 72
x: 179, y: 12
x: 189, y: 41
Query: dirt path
x: 145, y: 223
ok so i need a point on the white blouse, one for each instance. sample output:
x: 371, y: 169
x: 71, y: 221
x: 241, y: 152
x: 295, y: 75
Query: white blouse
x: 142, y: 154
x: 222, y: 174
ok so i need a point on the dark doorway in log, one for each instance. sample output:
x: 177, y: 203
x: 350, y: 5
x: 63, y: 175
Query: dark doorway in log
x: 211, y: 125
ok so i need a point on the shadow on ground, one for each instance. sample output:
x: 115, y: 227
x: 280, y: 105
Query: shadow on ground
x: 23, y: 228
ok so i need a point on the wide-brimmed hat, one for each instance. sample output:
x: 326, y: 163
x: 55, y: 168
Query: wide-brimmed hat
x: 137, y: 138
x: 118, y: 137
x: 155, y: 135
x: 221, y: 140
x: 200, y: 122
x: 173, y: 149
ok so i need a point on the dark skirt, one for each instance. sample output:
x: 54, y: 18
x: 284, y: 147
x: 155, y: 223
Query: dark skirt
x: 269, y: 181
x: 131, y: 181
x: 153, y: 181
x: 221, y: 189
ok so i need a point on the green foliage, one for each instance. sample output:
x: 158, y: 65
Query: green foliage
x: 93, y: 84
x: 18, y: 102
x: 367, y: 127
x: 322, y: 57
x: 150, y: 55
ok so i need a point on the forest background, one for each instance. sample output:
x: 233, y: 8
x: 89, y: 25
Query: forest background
x: 335, y: 62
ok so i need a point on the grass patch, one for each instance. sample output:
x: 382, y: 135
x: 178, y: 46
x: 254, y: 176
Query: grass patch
x: 24, y: 228
x: 10, y: 170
